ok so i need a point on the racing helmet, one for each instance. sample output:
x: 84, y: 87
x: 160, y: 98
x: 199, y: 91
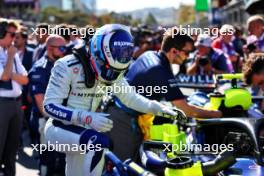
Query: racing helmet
x: 111, y: 50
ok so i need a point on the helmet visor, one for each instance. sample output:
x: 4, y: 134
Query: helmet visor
x: 108, y: 73
x: 122, y: 52
x: 121, y: 47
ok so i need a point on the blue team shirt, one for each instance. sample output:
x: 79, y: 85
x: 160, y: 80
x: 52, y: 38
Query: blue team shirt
x: 153, y: 69
x: 39, y: 77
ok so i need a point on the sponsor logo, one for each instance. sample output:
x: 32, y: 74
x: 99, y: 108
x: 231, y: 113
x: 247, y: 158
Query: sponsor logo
x: 88, y: 120
x: 254, y: 167
x: 92, y: 139
x: 123, y: 43
x: 75, y: 70
x: 81, y: 88
x: 86, y: 94
x: 56, y: 112
x: 36, y: 76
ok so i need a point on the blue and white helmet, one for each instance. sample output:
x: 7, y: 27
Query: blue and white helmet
x: 111, y: 52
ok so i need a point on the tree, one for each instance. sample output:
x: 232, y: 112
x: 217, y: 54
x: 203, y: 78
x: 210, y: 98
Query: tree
x: 150, y: 20
x: 81, y: 19
x: 186, y: 14
x: 61, y: 16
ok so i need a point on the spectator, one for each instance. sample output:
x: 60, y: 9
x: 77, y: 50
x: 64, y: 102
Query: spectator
x: 207, y: 60
x: 255, y: 26
x: 42, y: 33
x: 25, y: 53
x: 75, y: 35
x: 143, y: 41
x: 12, y: 75
x: 87, y: 33
x: 252, y: 45
x: 26, y: 56
x: 223, y: 42
x: 253, y: 71
x: 239, y: 41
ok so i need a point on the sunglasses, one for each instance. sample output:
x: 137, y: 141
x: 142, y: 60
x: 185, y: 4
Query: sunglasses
x: 186, y: 52
x: 12, y: 34
x: 61, y: 48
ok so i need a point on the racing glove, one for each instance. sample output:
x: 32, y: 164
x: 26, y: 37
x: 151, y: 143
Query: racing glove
x: 162, y: 110
x: 97, y: 121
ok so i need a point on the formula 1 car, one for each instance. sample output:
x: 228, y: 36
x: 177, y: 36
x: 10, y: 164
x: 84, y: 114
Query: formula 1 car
x: 232, y: 100
x: 115, y: 167
x: 161, y: 153
x: 241, y: 129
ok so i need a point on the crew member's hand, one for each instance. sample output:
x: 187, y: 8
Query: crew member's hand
x: 217, y: 114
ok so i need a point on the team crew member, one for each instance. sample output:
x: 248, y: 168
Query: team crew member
x: 12, y: 76
x: 76, y: 121
x: 39, y: 78
x: 42, y: 33
x: 153, y: 69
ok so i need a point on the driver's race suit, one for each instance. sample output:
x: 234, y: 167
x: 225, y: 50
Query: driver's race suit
x: 67, y: 100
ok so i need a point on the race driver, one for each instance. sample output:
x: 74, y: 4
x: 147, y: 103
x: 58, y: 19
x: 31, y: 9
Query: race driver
x: 72, y: 98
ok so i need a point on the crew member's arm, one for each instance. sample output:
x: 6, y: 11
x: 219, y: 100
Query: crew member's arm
x: 139, y: 103
x: 39, y: 98
x: 195, y: 111
x: 37, y: 87
x: 38, y: 82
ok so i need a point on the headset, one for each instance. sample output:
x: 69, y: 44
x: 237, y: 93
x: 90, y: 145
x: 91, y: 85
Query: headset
x: 3, y: 29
